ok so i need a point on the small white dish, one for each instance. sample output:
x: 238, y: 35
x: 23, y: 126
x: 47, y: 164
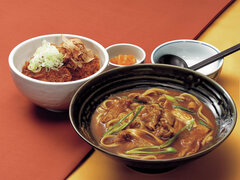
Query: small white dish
x: 125, y: 49
x: 192, y: 51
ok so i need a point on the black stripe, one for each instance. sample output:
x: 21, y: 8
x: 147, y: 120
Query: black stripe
x: 81, y: 162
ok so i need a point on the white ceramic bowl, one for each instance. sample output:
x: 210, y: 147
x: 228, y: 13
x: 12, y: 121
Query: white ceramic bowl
x: 128, y: 49
x: 192, y: 51
x: 50, y: 95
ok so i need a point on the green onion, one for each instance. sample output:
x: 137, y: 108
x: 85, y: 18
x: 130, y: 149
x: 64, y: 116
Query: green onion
x: 171, y: 98
x: 136, y: 100
x: 188, y: 126
x: 164, y: 146
x: 204, y: 124
x: 183, y: 108
x: 115, y: 128
x: 124, y: 97
x: 46, y: 56
x: 141, y: 150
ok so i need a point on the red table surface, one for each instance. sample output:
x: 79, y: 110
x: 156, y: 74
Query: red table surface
x: 38, y: 144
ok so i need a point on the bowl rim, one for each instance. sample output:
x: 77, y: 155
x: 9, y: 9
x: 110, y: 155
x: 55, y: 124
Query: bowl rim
x: 198, y: 154
x: 191, y: 41
x: 130, y: 45
x: 20, y: 74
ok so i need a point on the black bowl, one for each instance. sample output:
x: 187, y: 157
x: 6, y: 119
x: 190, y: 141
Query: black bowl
x: 92, y: 93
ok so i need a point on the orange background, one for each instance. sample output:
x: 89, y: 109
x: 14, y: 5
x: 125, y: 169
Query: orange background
x: 38, y: 144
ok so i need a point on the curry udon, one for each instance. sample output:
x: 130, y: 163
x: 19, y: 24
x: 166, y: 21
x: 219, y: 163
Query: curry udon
x: 153, y: 124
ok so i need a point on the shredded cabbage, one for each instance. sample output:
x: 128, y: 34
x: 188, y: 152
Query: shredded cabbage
x: 46, y: 56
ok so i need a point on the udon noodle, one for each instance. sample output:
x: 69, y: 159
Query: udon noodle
x: 153, y: 124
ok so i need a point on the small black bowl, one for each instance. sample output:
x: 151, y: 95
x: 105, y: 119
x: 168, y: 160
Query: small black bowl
x: 93, y: 92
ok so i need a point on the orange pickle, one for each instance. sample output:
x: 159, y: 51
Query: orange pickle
x: 123, y: 59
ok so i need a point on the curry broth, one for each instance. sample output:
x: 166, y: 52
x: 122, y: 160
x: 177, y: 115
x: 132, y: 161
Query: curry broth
x: 154, y: 125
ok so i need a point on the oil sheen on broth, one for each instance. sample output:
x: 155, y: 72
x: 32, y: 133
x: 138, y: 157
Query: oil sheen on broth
x: 153, y: 124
